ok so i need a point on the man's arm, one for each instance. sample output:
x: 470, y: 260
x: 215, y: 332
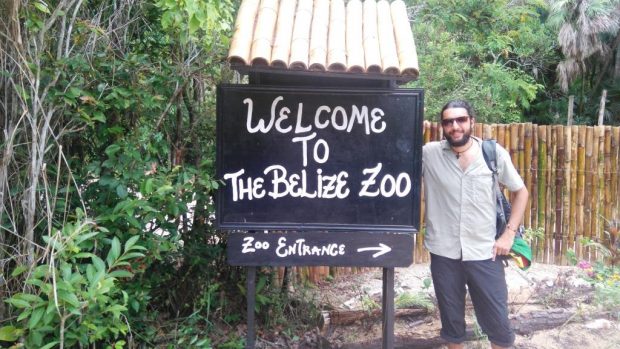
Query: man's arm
x: 518, y: 202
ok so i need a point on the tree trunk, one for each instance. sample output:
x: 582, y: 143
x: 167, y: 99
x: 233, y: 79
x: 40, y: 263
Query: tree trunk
x: 617, y: 64
x: 348, y: 317
x: 528, y: 323
x: 571, y: 102
x: 523, y: 324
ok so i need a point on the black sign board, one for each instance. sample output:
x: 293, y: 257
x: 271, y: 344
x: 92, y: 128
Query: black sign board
x: 320, y: 248
x: 319, y: 159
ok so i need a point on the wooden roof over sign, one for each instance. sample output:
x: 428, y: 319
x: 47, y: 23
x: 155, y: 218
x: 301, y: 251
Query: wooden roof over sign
x: 372, y: 38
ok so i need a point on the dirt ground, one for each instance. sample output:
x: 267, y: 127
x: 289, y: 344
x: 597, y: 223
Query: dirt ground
x: 541, y: 289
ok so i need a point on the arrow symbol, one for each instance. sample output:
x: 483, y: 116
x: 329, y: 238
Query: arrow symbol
x: 382, y: 248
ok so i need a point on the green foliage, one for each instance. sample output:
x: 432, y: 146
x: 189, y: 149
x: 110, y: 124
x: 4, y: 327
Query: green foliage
x: 426, y: 283
x: 478, y: 332
x: 190, y: 17
x: 233, y: 343
x: 531, y: 234
x: 504, y: 89
x: 75, y: 298
x: 606, y: 281
x: 410, y: 300
x: 283, y: 310
x: 587, y: 31
x: 608, y: 248
x: 369, y: 304
x: 571, y: 257
x: 190, y: 333
x: 129, y: 88
x: 496, y: 54
x: 132, y: 191
x: 608, y: 293
x: 121, y: 98
x: 604, y: 274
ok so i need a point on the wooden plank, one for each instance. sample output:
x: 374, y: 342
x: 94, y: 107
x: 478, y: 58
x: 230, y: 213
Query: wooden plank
x: 542, y: 189
x: 593, y: 197
x: 419, y: 249
x: 573, y: 187
x: 514, y: 144
x: 566, y: 169
x: 478, y: 130
x: 594, y: 208
x: 521, y: 149
x: 597, y: 218
x: 551, y: 165
x: 588, y: 183
x: 558, y: 139
x: 581, y: 183
x: 487, y: 131
x: 607, y: 195
x: 430, y: 132
x: 615, y: 159
x: 501, y: 135
x: 528, y: 171
x: 434, y: 132
x: 535, y: 177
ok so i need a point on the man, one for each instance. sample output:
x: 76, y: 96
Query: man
x: 460, y: 228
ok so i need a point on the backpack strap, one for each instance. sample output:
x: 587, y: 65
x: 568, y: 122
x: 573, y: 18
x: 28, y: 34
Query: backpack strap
x: 488, y: 151
x: 490, y: 156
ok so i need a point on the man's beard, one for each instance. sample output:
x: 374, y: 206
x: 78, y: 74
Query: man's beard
x: 461, y: 142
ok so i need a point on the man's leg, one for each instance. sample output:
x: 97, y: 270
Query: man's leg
x: 486, y: 283
x: 449, y: 283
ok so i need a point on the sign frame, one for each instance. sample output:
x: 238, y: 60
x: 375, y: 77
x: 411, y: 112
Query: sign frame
x: 310, y: 248
x: 413, y: 130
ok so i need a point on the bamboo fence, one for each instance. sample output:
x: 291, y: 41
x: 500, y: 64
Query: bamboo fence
x: 571, y: 173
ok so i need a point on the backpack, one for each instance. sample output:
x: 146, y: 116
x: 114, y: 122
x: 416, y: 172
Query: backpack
x: 503, y: 206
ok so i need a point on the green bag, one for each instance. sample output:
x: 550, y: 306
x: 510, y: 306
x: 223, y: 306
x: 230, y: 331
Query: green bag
x: 521, y: 253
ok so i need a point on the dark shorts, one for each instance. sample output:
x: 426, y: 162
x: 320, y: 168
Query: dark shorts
x: 486, y: 283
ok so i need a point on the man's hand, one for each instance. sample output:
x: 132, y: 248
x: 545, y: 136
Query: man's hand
x: 503, y: 244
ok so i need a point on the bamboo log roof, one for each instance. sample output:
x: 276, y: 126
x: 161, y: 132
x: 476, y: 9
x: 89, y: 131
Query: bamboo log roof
x: 370, y: 37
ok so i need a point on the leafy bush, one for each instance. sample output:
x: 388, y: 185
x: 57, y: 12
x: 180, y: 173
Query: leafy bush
x: 606, y: 281
x: 73, y: 297
x: 604, y: 274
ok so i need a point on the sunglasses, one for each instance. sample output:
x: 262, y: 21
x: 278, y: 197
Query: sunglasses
x: 461, y: 120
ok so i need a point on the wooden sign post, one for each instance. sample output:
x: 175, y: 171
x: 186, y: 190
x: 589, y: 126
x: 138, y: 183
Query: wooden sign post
x: 322, y: 176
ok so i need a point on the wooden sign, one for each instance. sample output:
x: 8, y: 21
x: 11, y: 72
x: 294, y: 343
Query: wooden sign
x: 319, y: 159
x: 376, y: 249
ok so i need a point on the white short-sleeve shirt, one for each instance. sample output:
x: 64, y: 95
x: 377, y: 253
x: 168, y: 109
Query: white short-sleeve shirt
x: 460, y: 205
